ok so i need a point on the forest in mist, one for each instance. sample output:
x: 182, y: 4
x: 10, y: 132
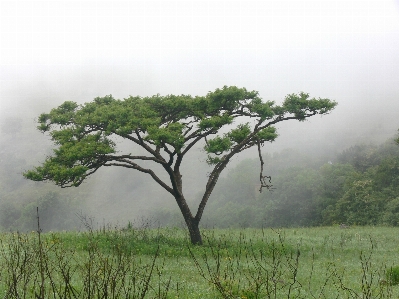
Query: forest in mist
x: 339, y: 168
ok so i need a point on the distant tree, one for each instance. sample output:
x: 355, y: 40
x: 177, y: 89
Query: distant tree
x: 165, y: 128
x: 9, y: 216
x: 387, y: 174
x: 391, y: 214
x: 361, y: 157
x: 334, y: 177
x: 56, y: 213
x: 294, y: 201
x: 361, y: 204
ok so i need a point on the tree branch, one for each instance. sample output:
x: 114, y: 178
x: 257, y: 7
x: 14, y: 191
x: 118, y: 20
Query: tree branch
x: 139, y: 140
x: 129, y: 164
x: 213, y: 178
x: 262, y: 178
x: 197, y: 137
x: 144, y: 158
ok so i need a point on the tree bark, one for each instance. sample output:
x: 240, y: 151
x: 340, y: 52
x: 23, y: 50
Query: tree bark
x: 191, y: 222
x: 195, y: 234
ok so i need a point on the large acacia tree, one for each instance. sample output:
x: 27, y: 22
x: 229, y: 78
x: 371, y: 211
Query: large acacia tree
x: 166, y: 128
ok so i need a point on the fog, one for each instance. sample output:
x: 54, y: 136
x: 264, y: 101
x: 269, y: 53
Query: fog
x: 53, y: 51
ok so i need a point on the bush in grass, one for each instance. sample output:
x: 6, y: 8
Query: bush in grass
x: 393, y: 275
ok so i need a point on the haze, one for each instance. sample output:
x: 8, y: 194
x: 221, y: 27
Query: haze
x: 53, y: 51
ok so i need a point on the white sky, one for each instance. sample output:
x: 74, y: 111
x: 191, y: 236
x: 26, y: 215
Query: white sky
x: 52, y: 51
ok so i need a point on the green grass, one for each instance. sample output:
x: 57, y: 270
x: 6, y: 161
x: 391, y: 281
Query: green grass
x: 322, y: 262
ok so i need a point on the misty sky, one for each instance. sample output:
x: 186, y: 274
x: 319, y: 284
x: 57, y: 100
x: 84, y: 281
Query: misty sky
x: 52, y: 51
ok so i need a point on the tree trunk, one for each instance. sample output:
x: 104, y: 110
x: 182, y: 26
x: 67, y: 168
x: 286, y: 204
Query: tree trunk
x: 193, y: 229
x: 191, y: 222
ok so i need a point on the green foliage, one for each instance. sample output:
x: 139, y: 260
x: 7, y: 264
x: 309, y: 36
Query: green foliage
x: 267, y: 134
x: 360, y: 205
x: 82, y: 132
x: 239, y: 134
x: 63, y: 115
x: 261, y: 109
x: 387, y: 174
x: 391, y: 213
x: 172, y: 134
x: 335, y: 177
x: 393, y: 275
x: 300, y: 105
x: 60, y: 174
x: 218, y: 145
x: 215, y: 122
x: 76, y: 155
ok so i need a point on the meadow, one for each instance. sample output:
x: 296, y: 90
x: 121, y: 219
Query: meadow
x: 318, y: 262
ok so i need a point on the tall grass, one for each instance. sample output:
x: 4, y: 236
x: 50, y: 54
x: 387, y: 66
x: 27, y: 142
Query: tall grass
x: 161, y: 263
x: 92, y: 264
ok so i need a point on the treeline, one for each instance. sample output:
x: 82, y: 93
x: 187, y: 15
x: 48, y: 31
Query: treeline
x: 56, y: 212
x: 359, y: 186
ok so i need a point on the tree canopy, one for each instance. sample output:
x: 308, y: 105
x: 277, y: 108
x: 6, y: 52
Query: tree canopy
x: 166, y: 128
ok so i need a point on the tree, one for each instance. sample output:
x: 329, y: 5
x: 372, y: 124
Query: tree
x: 166, y: 128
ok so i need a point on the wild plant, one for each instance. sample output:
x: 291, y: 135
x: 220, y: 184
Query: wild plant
x: 274, y: 270
x: 250, y: 271
x: 38, y: 266
x: 372, y: 283
x: 18, y: 265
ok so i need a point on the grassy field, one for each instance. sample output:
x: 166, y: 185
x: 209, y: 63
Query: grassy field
x: 322, y: 262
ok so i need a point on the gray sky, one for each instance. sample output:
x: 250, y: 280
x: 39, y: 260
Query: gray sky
x: 52, y: 51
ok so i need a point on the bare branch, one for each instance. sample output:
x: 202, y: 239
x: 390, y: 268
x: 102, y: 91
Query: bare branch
x: 188, y: 128
x: 129, y: 164
x: 70, y: 183
x: 262, y: 178
x: 197, y: 137
x: 144, y: 158
x: 140, y: 141
x: 213, y: 178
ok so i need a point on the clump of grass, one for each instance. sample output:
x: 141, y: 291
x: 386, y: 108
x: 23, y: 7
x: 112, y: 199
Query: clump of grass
x: 392, y: 275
